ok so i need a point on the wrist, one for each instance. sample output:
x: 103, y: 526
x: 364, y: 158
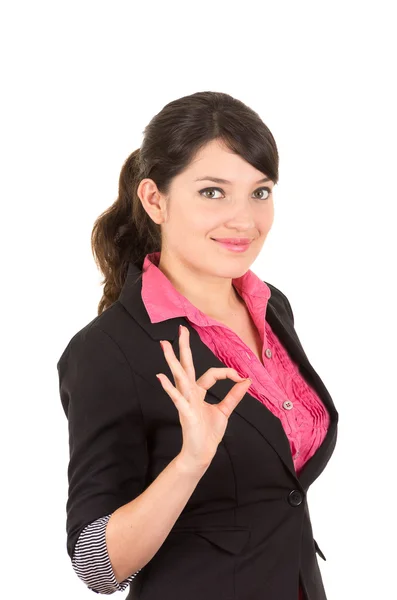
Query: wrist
x: 189, y: 466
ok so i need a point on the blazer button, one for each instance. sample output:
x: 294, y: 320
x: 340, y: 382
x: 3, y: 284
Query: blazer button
x: 295, y: 498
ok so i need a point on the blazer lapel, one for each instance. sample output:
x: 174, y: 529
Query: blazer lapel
x: 249, y: 408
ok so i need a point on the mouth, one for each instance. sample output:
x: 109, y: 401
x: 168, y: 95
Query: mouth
x: 232, y: 246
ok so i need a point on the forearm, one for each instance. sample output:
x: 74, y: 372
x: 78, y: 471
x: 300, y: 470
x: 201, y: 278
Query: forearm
x: 136, y: 530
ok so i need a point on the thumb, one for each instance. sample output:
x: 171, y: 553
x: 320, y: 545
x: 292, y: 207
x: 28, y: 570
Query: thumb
x: 234, y: 396
x: 245, y: 380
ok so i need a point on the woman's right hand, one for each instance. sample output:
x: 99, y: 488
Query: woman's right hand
x: 203, y: 424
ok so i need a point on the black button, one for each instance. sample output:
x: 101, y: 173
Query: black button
x: 295, y: 498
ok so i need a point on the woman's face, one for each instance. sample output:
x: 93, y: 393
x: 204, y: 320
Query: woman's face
x: 198, y: 210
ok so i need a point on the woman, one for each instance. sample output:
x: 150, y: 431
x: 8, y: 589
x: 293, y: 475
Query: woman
x: 193, y: 483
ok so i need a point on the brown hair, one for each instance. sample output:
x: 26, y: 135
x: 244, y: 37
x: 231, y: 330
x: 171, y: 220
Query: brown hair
x: 125, y: 232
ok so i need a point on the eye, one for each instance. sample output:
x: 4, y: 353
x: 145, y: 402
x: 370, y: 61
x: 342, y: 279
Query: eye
x: 210, y: 189
x: 264, y: 189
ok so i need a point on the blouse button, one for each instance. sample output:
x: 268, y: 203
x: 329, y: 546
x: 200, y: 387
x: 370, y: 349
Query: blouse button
x: 268, y: 353
x: 288, y: 405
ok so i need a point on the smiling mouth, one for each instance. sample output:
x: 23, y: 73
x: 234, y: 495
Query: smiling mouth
x: 234, y: 241
x: 233, y: 247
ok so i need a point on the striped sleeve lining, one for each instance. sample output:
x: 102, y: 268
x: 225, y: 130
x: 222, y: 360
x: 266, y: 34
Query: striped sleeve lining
x: 91, y: 560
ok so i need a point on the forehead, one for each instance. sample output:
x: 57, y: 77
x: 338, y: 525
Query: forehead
x: 218, y: 163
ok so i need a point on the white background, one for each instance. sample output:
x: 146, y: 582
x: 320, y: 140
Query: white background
x: 80, y: 80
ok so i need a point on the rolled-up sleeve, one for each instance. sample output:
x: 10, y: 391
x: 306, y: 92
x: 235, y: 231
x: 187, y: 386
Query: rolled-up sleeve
x: 108, y: 456
x: 91, y: 560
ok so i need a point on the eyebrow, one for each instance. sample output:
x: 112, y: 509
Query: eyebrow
x: 218, y: 180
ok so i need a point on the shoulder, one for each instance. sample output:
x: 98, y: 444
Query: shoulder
x: 102, y: 333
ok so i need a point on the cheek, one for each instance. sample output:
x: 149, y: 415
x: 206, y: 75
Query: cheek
x: 267, y: 219
x: 201, y: 224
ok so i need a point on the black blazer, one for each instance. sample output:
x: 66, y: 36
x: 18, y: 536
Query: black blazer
x: 245, y: 533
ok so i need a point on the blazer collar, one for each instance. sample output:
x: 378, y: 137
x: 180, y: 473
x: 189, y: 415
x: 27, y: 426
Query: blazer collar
x: 249, y: 408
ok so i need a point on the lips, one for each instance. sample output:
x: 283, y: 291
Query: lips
x: 239, y: 248
x: 233, y: 241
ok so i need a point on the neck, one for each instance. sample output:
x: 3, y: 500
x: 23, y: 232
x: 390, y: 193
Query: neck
x: 205, y: 300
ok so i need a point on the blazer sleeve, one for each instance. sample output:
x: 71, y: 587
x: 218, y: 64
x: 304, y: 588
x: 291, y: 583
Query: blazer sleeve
x: 108, y: 455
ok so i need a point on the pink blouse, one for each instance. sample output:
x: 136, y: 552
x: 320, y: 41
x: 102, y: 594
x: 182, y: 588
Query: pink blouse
x: 277, y: 384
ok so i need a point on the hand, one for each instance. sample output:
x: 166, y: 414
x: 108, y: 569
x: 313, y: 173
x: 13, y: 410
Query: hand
x: 203, y: 424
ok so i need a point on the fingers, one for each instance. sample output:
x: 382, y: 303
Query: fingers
x: 185, y: 352
x: 210, y: 377
x: 180, y: 376
x: 184, y: 375
x: 235, y: 396
x: 178, y: 399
